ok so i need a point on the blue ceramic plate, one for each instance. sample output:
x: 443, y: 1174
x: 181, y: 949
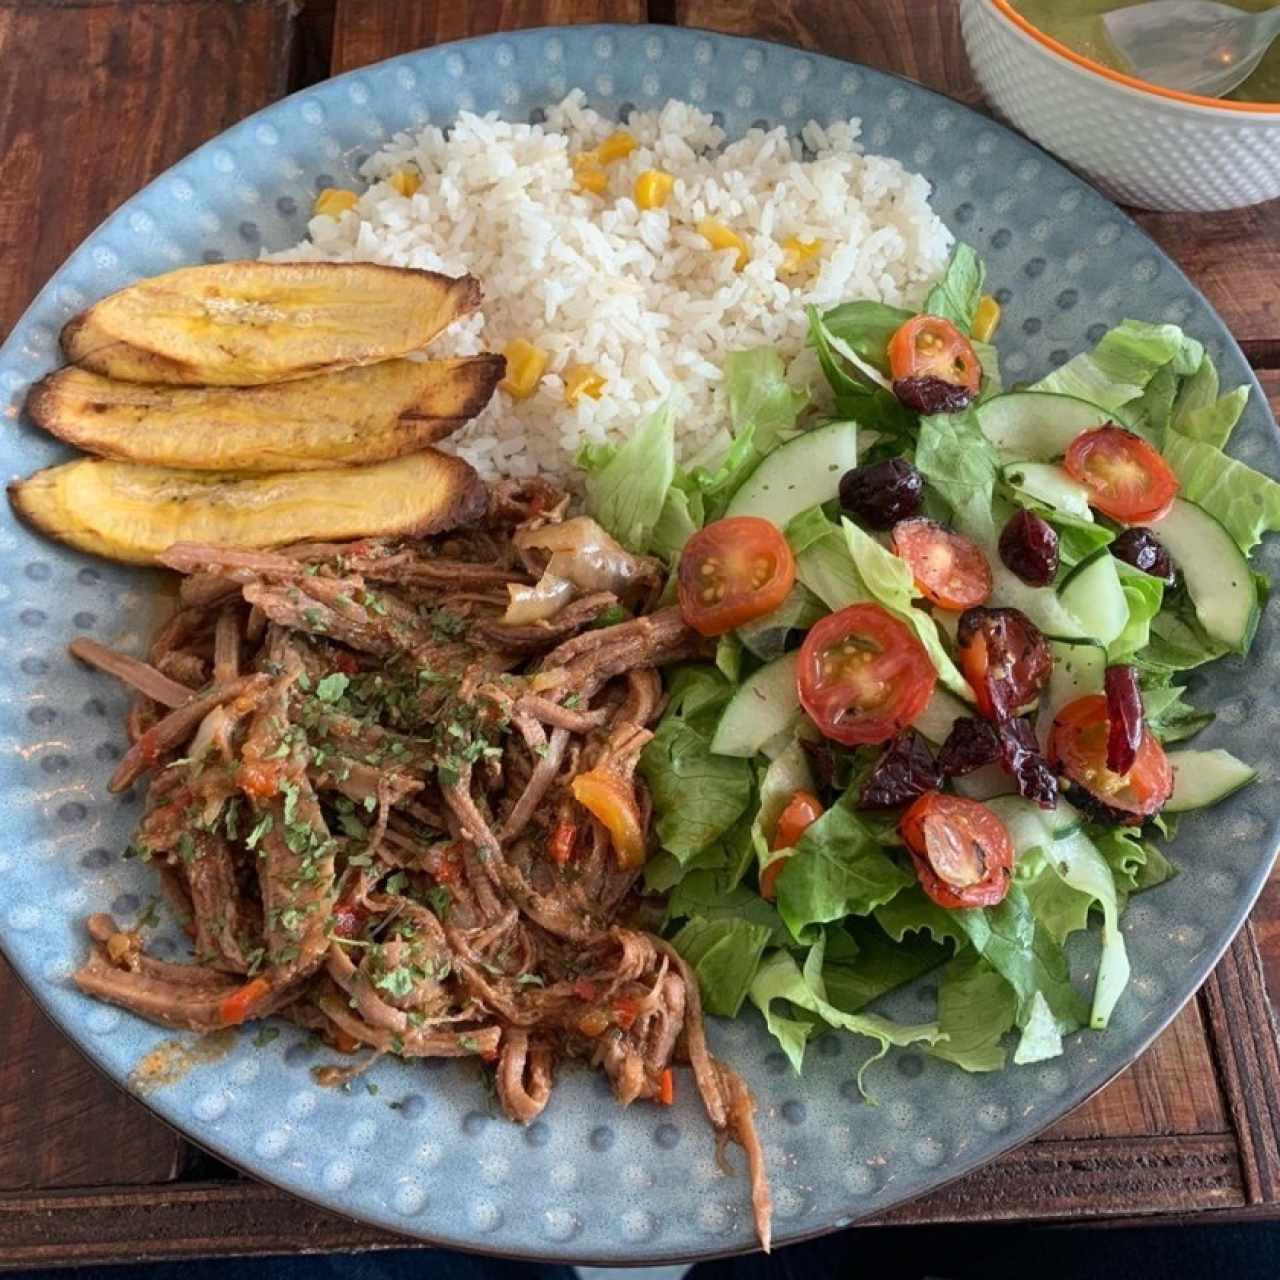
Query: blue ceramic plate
x: 425, y: 1155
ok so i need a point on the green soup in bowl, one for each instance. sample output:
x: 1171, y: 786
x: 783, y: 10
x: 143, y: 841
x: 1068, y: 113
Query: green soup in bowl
x: 1078, y: 25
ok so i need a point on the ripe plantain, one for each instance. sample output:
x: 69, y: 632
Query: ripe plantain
x: 345, y: 418
x: 248, y: 323
x: 133, y: 513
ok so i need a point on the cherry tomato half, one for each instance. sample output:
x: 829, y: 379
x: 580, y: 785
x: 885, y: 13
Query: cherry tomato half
x: 1005, y: 659
x: 863, y: 675
x: 1078, y: 745
x: 802, y: 811
x: 732, y: 571
x: 961, y: 851
x: 949, y: 568
x: 1126, y: 478
x: 934, y: 368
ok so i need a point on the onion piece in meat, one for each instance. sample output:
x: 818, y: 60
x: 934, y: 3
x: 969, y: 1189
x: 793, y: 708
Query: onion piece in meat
x: 573, y: 557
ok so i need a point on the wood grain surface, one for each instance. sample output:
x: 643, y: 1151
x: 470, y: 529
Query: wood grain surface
x: 95, y: 100
x: 1192, y: 1127
x: 365, y: 31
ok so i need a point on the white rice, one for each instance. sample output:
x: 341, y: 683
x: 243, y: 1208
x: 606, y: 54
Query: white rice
x: 637, y: 295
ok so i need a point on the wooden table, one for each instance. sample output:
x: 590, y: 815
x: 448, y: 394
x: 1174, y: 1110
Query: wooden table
x: 100, y: 95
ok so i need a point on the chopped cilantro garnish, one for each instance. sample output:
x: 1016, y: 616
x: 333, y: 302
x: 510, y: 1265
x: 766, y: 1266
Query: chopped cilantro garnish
x: 265, y: 1036
x: 261, y: 828
x: 332, y: 687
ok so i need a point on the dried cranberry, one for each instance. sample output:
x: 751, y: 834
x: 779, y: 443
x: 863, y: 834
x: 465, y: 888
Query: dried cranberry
x: 971, y: 744
x: 880, y: 494
x: 1024, y: 762
x: 928, y: 395
x: 1142, y: 549
x: 1029, y: 548
x: 904, y: 773
x: 1005, y: 658
x: 1124, y: 712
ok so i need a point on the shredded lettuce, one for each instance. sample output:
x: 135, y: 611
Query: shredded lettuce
x: 725, y: 954
x: 761, y: 401
x: 626, y: 486
x: 960, y: 464
x: 697, y: 796
x: 1169, y: 717
x: 766, y: 638
x: 680, y: 517
x: 976, y: 1006
x: 701, y: 894
x: 838, y: 869
x: 787, y: 773
x: 1201, y: 414
x: 779, y: 979
x: 863, y: 963
x: 1243, y: 500
x: 1117, y: 372
x: 912, y: 911
x: 1144, y: 595
x: 865, y: 327
x: 955, y: 297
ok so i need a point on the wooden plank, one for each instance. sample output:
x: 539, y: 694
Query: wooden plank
x: 1171, y: 1090
x: 156, y: 79
x: 1045, y: 1181
x: 1244, y: 1035
x: 1234, y: 257
x: 63, y: 1123
x: 366, y: 31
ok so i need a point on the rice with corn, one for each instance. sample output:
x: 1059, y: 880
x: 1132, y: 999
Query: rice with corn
x: 630, y: 305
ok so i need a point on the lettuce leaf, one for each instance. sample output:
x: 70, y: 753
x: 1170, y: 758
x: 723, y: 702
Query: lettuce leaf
x: 1026, y: 955
x: 779, y: 979
x: 1178, y: 642
x: 701, y: 894
x: 1201, y: 414
x: 838, y: 869
x: 955, y: 297
x: 1169, y: 717
x: 976, y: 1007
x: 697, y: 796
x: 912, y: 911
x: 1135, y: 863
x: 725, y: 954
x: 863, y: 963
x: 866, y: 327
x: 681, y: 516
x: 1077, y: 539
x: 1144, y: 595
x: 1120, y: 367
x: 1243, y: 500
x: 761, y: 401
x: 960, y: 464
x: 626, y: 486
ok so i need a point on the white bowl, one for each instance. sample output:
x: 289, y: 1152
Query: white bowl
x: 1144, y: 145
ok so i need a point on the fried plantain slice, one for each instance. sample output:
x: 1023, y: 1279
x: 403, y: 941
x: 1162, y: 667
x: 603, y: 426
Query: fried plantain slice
x: 133, y: 513
x: 246, y: 323
x: 345, y: 418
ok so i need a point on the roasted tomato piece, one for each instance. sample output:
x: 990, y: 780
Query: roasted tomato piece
x: 934, y: 368
x: 1079, y: 745
x: 949, y: 568
x: 612, y: 800
x: 802, y: 811
x: 1005, y: 659
x: 961, y: 851
x: 903, y: 774
x: 862, y: 675
x: 1126, y: 478
x: 732, y: 571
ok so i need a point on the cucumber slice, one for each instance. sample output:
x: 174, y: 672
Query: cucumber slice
x: 1215, y: 571
x: 1048, y: 485
x: 1030, y: 827
x: 1036, y: 426
x: 765, y: 708
x: 1202, y: 778
x: 1079, y: 669
x: 802, y: 473
x: 984, y: 784
x: 943, y: 710
x: 1093, y: 595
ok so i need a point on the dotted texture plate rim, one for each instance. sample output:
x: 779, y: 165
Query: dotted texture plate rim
x: 423, y: 1156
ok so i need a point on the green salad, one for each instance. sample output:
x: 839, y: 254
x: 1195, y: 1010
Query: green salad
x: 944, y: 724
